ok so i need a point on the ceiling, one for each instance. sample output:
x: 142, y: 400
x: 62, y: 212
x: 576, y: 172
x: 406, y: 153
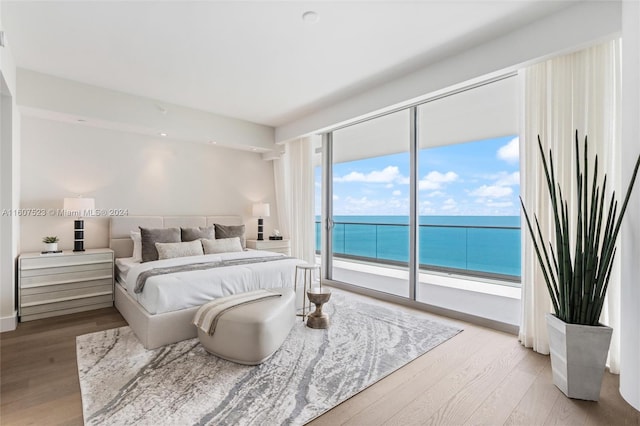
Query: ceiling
x: 257, y: 61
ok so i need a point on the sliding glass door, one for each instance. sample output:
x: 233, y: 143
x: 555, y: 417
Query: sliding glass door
x: 370, y: 204
x: 426, y: 195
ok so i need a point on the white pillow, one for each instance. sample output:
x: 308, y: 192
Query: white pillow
x: 222, y: 245
x: 171, y: 250
x: 137, y: 245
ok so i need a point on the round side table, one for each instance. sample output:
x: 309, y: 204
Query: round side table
x: 307, y: 271
x: 318, y: 319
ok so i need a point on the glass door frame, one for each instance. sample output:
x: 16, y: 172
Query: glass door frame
x: 326, y: 244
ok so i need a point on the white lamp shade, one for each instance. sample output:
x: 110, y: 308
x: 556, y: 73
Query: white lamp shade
x: 79, y: 205
x: 261, y: 210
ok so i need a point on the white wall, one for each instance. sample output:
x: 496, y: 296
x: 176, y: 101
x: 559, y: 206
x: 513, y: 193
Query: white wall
x: 143, y: 174
x: 10, y: 184
x: 629, y: 247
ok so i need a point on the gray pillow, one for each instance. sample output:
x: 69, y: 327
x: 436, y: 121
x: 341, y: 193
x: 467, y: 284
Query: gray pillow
x: 230, y: 231
x: 192, y: 234
x: 151, y: 236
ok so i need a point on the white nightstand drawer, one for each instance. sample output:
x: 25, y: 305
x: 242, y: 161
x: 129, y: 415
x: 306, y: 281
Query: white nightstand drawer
x: 61, y: 306
x: 69, y: 277
x: 57, y: 260
x: 100, y: 287
x: 65, y: 269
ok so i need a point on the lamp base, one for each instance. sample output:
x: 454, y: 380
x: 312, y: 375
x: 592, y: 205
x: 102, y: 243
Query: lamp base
x: 260, y: 230
x: 78, y: 235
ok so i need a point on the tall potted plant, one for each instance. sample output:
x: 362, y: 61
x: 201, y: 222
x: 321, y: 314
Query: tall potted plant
x: 578, y: 278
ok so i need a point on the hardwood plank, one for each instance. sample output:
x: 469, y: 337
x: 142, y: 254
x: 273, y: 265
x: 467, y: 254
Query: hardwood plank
x: 428, y: 390
x: 39, y: 380
x: 467, y: 389
x: 611, y: 409
x: 568, y: 412
x: 536, y: 404
x: 499, y: 404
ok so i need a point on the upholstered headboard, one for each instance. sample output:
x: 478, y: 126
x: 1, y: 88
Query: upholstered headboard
x: 120, y: 227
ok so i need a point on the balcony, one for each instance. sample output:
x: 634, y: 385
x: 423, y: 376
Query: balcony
x: 491, y: 252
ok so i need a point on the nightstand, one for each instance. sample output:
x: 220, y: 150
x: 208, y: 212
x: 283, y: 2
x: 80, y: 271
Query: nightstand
x: 60, y: 284
x: 278, y: 246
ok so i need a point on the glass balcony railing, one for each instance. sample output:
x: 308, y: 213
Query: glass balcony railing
x: 481, y: 251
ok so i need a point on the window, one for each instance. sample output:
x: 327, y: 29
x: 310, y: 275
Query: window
x: 446, y: 172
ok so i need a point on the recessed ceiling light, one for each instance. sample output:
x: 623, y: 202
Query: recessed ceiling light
x: 163, y: 134
x: 213, y: 142
x: 254, y: 149
x: 81, y: 120
x: 310, y: 17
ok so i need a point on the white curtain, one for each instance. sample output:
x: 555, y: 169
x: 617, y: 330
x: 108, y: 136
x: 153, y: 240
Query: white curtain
x: 580, y: 91
x: 293, y: 175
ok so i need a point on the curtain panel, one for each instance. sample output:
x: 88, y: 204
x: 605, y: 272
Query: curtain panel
x: 580, y: 91
x: 295, y: 190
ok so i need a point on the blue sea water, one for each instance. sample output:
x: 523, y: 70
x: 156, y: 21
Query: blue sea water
x: 475, y: 243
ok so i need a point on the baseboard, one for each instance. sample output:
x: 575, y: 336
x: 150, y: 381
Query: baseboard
x: 9, y: 323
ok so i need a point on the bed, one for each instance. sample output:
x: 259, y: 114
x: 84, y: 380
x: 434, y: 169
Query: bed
x: 161, y: 313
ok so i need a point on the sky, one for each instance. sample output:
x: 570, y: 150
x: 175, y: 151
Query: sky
x: 469, y: 179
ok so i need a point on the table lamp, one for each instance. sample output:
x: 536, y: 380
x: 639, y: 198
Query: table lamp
x: 261, y: 210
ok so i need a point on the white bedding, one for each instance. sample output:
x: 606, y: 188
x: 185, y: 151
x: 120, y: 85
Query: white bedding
x: 181, y: 290
x: 123, y: 265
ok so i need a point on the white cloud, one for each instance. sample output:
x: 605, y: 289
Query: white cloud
x: 389, y: 185
x: 449, y: 204
x: 436, y: 194
x: 499, y: 204
x: 335, y: 197
x: 434, y: 180
x: 364, y: 205
x: 492, y: 191
x: 510, y: 152
x: 387, y: 175
x: 508, y: 179
x: 425, y: 208
x: 396, y: 193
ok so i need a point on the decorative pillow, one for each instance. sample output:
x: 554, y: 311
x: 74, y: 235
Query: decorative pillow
x: 151, y: 236
x: 137, y: 245
x: 222, y: 245
x: 171, y: 250
x: 192, y: 234
x: 230, y: 231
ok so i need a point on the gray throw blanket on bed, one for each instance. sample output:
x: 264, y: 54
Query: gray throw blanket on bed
x: 144, y: 276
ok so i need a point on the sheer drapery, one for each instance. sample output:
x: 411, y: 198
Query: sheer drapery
x: 293, y: 175
x: 580, y: 91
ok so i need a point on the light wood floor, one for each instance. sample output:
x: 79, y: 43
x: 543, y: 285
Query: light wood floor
x: 480, y: 376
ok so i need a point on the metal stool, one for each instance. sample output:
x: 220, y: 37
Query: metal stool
x: 307, y: 276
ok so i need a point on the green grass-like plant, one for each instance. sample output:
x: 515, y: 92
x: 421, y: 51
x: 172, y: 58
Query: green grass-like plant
x: 50, y: 240
x: 578, y: 286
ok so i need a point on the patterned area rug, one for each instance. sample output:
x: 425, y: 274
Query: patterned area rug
x: 314, y: 370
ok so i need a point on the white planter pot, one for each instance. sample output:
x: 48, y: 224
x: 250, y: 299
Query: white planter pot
x: 578, y: 357
x: 50, y: 246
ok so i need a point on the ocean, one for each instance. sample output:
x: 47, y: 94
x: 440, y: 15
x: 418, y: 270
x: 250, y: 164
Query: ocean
x: 488, y: 244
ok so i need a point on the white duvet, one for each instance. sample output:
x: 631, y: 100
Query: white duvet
x: 181, y: 290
